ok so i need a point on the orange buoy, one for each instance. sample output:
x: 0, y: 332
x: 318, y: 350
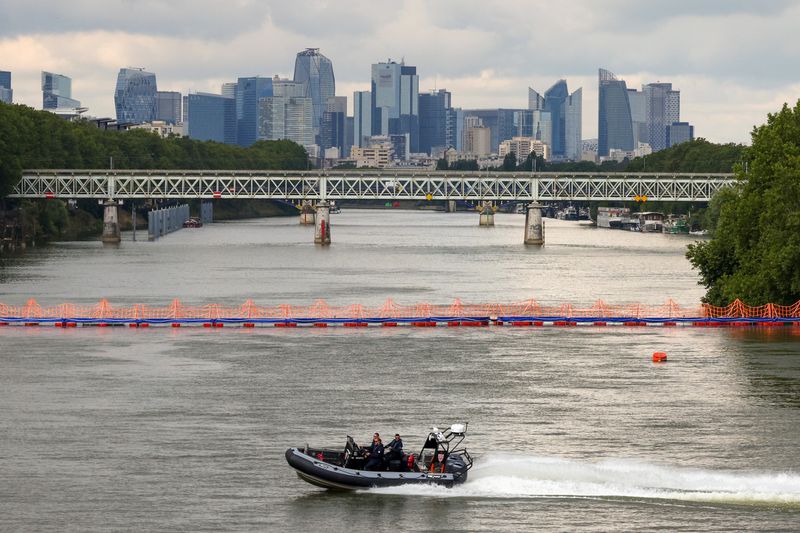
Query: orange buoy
x: 659, y: 357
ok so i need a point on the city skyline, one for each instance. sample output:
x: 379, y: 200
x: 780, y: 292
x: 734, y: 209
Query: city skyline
x: 731, y: 72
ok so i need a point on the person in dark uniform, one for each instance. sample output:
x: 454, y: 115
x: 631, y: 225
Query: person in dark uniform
x: 375, y: 454
x: 395, y: 448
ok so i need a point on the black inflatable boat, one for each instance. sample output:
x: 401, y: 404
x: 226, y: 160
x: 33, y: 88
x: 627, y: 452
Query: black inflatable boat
x: 442, y: 461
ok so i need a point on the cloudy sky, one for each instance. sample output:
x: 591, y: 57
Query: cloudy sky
x: 734, y: 61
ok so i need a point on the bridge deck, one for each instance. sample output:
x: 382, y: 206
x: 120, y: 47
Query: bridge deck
x: 372, y: 185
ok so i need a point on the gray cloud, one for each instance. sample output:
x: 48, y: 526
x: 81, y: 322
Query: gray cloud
x: 725, y: 51
x: 210, y: 19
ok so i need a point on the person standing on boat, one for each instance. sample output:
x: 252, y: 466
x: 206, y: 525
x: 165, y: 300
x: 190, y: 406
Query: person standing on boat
x: 375, y: 457
x: 395, y: 448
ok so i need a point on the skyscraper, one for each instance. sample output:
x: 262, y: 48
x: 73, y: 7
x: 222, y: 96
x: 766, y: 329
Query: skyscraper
x: 316, y: 72
x: 638, y: 104
x: 663, y: 108
x: 332, y: 127
x: 433, y: 115
x: 211, y: 117
x: 395, y: 101
x: 228, y: 89
x: 168, y: 107
x: 573, y: 125
x: 362, y: 118
x: 135, y: 96
x: 6, y: 93
x: 614, y: 126
x: 248, y: 93
x: 287, y: 114
x: 57, y: 92
x: 564, y: 112
x: 679, y: 132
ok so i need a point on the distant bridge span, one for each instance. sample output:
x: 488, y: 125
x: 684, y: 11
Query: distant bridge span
x: 370, y: 185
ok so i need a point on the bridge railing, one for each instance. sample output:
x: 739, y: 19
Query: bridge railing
x: 369, y: 184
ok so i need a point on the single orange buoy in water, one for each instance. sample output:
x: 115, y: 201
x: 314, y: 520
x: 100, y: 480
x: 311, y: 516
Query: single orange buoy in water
x: 659, y: 357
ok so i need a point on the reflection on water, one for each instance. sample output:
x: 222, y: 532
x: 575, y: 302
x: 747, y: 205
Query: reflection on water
x: 162, y: 429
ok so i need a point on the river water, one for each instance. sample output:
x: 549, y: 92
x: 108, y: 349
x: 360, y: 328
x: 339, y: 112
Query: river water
x: 572, y: 428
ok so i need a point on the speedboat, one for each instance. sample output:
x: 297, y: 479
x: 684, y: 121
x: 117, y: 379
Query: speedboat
x: 441, y: 461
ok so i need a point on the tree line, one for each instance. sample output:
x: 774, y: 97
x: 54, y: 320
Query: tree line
x: 39, y: 139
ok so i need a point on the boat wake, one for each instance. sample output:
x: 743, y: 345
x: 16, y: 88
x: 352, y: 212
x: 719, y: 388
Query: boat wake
x: 514, y: 476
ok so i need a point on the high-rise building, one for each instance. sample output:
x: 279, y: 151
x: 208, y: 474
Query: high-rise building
x: 57, y: 92
x: 614, y: 125
x: 287, y: 114
x: 573, y: 125
x: 6, y: 93
x: 211, y: 117
x: 316, y: 72
x: 349, y: 126
x: 663, y: 108
x: 501, y: 123
x: 638, y: 105
x: 228, y: 89
x: 477, y: 140
x: 135, y: 96
x: 535, y: 100
x: 535, y: 123
x: 679, y: 132
x: 434, y: 109
x: 249, y: 92
x: 562, y: 112
x: 395, y: 101
x: 362, y: 118
x: 332, y: 127
x: 168, y: 107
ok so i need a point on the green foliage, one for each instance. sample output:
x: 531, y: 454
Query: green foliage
x: 698, y: 155
x: 38, y: 139
x: 509, y: 162
x: 754, y: 254
x: 441, y: 164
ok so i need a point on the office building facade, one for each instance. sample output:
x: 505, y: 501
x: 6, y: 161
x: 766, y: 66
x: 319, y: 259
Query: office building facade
x: 315, y: 71
x: 614, y: 124
x: 679, y: 132
x: 135, y: 96
x: 249, y: 92
x: 362, y: 118
x: 560, y: 113
x: 395, y: 101
x: 211, y: 117
x: 434, y: 111
x: 6, y: 93
x: 287, y: 114
x: 663, y: 108
x: 332, y: 127
x: 57, y: 92
x: 168, y: 107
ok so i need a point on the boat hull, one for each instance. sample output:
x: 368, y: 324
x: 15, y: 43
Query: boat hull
x: 334, y: 477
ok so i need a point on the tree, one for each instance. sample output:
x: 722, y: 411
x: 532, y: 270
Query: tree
x: 509, y: 162
x: 441, y: 164
x: 754, y: 254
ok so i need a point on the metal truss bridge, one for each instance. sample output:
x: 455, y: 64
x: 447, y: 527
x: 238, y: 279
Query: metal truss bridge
x: 370, y: 185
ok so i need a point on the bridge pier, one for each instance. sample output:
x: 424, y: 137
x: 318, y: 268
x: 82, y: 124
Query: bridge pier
x: 534, y: 225
x: 322, y: 225
x: 487, y: 215
x: 307, y: 213
x: 451, y: 206
x: 111, y: 234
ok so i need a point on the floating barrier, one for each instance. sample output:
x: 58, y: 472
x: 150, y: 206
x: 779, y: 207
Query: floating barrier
x: 529, y: 313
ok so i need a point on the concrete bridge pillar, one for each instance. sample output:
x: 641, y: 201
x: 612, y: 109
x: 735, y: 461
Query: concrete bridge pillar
x: 451, y: 206
x: 322, y: 226
x: 534, y: 225
x: 307, y: 213
x: 487, y: 215
x: 111, y: 234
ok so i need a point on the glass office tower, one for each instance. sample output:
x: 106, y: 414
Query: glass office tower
x: 614, y: 126
x: 212, y: 117
x: 433, y: 115
x: 249, y: 91
x: 316, y: 71
x: 57, y: 92
x: 6, y: 94
x: 168, y: 107
x: 135, y: 96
